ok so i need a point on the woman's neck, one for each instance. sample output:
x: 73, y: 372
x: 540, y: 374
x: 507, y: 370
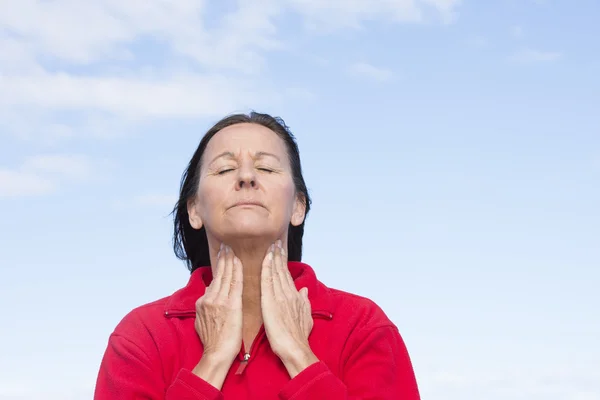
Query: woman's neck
x: 252, y: 258
x: 251, y: 253
x: 252, y: 268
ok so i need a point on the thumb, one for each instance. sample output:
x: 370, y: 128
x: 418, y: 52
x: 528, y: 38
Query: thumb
x: 304, y: 292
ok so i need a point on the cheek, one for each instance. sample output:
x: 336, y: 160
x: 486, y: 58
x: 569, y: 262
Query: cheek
x: 208, y: 198
x: 288, y: 195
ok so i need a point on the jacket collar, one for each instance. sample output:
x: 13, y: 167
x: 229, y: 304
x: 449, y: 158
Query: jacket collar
x: 183, y: 302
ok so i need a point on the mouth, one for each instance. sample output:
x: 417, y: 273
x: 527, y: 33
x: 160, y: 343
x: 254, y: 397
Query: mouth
x: 245, y: 204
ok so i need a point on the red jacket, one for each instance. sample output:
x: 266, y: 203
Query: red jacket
x: 153, y: 350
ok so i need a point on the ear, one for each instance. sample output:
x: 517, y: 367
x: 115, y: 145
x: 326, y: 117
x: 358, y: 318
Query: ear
x: 299, y: 211
x: 194, y: 213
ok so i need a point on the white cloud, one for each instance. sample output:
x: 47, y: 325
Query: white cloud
x: 21, y: 183
x: 84, y: 32
x: 335, y: 14
x: 201, y: 63
x: 371, y: 72
x: 99, y: 30
x: 529, y: 56
x: 42, y: 175
x: 134, y: 97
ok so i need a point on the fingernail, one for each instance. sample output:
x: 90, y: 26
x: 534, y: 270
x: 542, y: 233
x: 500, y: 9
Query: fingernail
x: 219, y: 254
x: 279, y: 244
x: 227, y: 249
x: 221, y: 248
x: 271, y: 248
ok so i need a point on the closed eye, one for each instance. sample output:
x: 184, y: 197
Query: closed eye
x: 224, y: 171
x: 266, y: 170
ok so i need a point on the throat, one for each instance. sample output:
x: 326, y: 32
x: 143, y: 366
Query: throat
x: 250, y: 330
x: 251, y: 307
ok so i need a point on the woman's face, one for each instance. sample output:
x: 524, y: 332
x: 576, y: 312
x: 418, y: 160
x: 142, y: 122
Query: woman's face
x: 246, y: 188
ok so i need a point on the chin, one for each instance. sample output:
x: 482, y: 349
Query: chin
x: 249, y: 229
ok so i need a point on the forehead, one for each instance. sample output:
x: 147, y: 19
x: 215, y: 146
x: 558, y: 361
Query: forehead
x: 246, y: 137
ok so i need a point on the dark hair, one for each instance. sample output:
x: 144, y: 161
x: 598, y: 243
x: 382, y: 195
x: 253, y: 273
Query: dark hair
x: 191, y: 245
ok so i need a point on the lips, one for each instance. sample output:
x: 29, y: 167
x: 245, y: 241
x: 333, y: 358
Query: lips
x: 247, y: 203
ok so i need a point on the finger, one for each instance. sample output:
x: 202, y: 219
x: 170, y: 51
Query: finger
x: 215, y: 285
x: 227, y: 273
x: 286, y: 270
x: 266, y: 274
x: 304, y: 293
x: 287, y: 284
x: 279, y: 283
x: 237, y: 280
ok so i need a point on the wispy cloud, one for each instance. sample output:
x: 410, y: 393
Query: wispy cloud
x: 336, y: 14
x: 50, y: 53
x: 529, y: 56
x: 134, y: 97
x: 16, y: 183
x: 371, y: 72
x: 44, y: 174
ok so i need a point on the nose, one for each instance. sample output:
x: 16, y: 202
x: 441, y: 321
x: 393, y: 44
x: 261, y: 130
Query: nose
x: 247, y: 178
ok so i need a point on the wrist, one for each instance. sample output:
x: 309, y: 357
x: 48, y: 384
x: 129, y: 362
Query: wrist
x: 213, y: 368
x: 298, y: 360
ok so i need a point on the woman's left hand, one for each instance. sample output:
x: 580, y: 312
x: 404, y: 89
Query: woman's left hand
x: 286, y: 313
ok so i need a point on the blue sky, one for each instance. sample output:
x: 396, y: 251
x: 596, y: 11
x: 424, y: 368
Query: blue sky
x: 452, y: 149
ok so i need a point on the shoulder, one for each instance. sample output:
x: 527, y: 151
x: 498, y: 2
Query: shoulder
x: 358, y: 311
x: 142, y: 320
x: 357, y: 324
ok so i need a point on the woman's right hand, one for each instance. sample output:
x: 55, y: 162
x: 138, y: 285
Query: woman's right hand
x: 219, y: 319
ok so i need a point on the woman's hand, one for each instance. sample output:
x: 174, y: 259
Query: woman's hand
x: 219, y: 319
x: 286, y: 313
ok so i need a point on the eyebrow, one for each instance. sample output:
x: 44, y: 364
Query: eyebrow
x: 227, y: 154
x: 259, y: 154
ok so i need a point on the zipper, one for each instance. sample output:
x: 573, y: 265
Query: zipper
x: 246, y: 355
x: 243, y: 364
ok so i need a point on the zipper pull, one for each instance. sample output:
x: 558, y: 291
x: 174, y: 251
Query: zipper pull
x: 243, y: 364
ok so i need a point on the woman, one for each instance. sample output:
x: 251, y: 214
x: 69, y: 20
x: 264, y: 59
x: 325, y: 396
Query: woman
x: 253, y: 321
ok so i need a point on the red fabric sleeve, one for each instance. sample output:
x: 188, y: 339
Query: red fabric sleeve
x: 127, y: 372
x: 376, y: 366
